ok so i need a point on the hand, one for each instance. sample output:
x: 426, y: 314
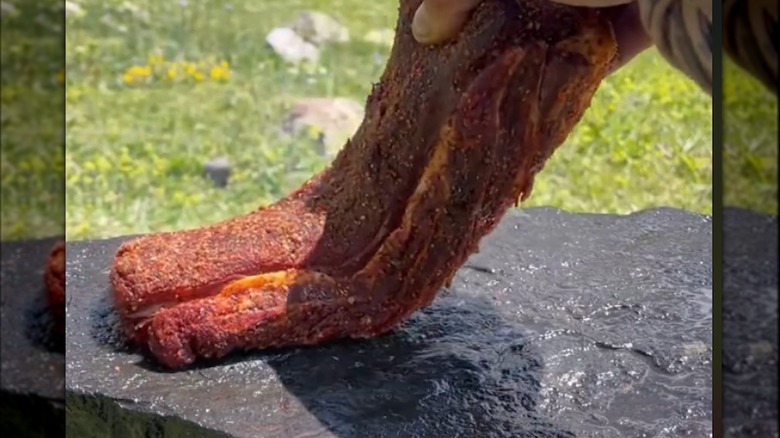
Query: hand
x: 437, y: 21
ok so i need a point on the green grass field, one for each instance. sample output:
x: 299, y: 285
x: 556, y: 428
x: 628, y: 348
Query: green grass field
x: 750, y: 143
x: 136, y: 146
x: 32, y: 166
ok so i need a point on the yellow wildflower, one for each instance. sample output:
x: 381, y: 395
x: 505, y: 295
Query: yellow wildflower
x: 220, y: 72
x: 190, y: 68
x: 142, y: 71
x: 136, y: 72
x: 156, y: 59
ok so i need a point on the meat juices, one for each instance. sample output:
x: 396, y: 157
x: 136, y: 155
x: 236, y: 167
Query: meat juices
x: 453, y: 136
x: 54, y: 278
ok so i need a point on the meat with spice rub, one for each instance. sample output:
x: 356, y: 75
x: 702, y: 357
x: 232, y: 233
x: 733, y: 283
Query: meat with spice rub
x: 54, y: 279
x: 452, y: 137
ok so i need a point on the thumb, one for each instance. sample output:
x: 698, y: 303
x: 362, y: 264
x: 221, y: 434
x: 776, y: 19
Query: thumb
x: 437, y: 21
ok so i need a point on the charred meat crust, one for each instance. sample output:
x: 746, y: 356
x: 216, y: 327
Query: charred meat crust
x: 453, y: 136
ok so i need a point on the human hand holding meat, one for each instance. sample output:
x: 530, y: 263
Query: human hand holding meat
x: 679, y: 28
x: 453, y: 136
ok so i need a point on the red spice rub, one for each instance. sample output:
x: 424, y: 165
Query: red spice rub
x: 453, y: 136
x: 54, y: 278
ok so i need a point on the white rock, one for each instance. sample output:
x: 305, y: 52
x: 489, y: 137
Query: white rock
x: 291, y: 47
x: 319, y: 28
x: 73, y: 9
x: 7, y: 9
x: 331, y: 121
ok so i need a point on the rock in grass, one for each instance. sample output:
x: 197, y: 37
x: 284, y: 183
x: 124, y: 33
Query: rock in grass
x: 319, y: 28
x: 329, y: 121
x: 73, y: 9
x: 7, y: 9
x: 218, y: 171
x: 290, y: 46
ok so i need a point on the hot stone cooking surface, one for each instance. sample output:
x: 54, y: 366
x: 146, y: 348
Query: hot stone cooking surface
x: 32, y: 374
x: 563, y: 325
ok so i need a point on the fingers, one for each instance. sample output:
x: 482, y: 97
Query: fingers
x: 437, y: 21
x: 630, y: 34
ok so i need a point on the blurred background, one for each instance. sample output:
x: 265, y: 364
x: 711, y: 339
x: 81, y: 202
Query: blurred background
x: 182, y: 113
x: 32, y: 102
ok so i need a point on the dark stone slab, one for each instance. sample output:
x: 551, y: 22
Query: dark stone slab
x: 32, y: 374
x: 563, y: 325
x: 750, y: 324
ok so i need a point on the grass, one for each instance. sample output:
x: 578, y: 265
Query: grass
x: 135, y: 149
x: 750, y: 143
x: 32, y: 163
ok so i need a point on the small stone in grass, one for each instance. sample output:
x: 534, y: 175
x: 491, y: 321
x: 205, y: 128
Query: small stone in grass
x: 218, y: 170
x: 331, y: 121
x: 8, y: 9
x: 290, y: 46
x: 319, y: 28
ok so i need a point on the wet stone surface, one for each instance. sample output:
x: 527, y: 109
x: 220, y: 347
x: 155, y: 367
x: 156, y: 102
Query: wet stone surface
x: 32, y: 377
x: 750, y: 325
x: 563, y: 325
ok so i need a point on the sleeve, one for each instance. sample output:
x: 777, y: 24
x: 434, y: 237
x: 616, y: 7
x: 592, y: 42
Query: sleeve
x: 681, y: 31
x: 750, y: 37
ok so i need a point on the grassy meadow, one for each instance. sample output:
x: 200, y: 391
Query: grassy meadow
x: 154, y: 89
x: 750, y: 143
x: 32, y: 158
